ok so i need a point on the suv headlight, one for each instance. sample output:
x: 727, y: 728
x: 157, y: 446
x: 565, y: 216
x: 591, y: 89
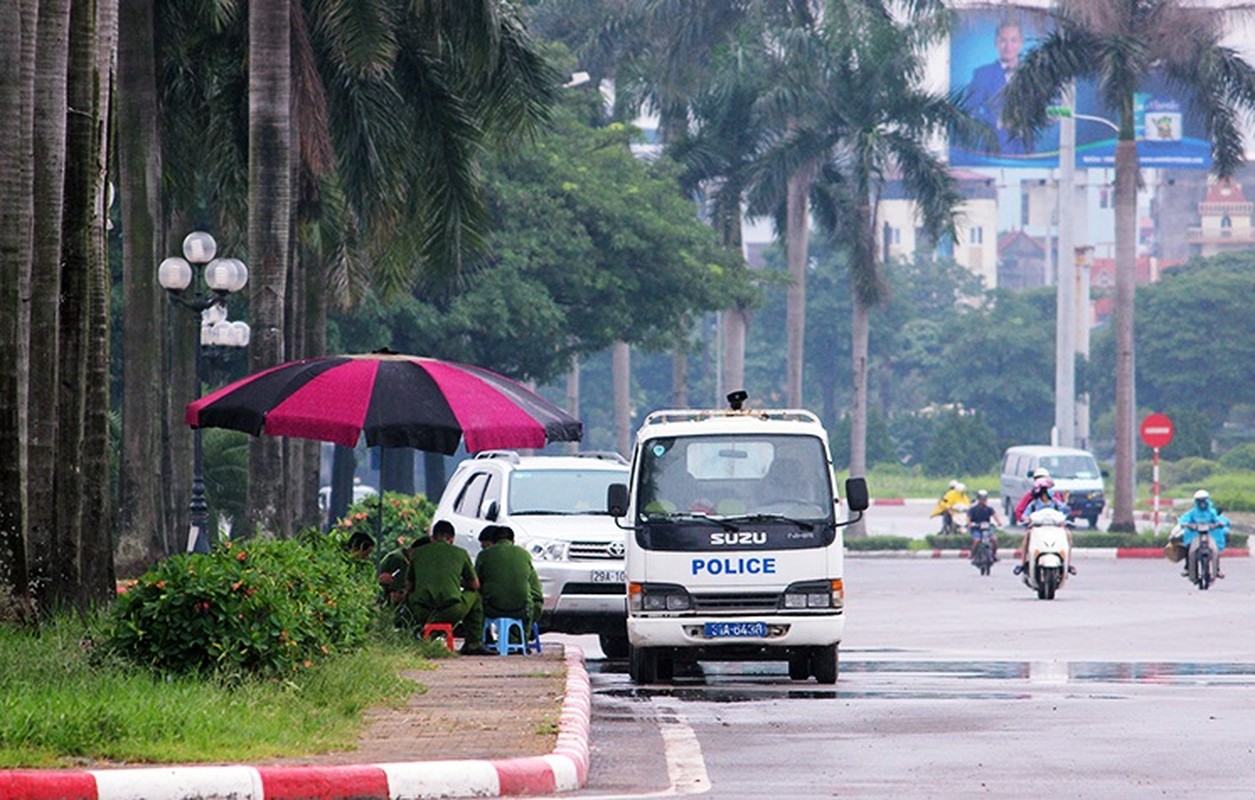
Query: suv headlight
x: 546, y: 549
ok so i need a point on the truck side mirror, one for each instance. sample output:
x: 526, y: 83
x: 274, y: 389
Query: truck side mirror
x: 493, y: 511
x: 856, y: 494
x: 617, y: 499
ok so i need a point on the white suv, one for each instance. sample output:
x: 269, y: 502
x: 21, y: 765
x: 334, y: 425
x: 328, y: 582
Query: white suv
x: 556, y: 506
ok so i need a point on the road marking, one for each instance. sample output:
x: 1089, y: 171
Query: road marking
x: 686, y: 768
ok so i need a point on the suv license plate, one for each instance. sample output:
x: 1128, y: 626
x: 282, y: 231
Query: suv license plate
x: 731, y: 630
x: 608, y: 576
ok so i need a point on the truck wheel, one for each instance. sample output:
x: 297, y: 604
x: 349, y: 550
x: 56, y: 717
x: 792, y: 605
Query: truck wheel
x: 613, y: 645
x: 665, y: 668
x: 642, y: 665
x: 824, y: 664
x: 799, y: 666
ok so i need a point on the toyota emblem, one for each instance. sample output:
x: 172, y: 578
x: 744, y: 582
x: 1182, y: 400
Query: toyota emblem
x: 615, y: 549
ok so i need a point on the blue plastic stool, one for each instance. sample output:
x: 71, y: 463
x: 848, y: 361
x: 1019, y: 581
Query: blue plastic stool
x: 534, y: 642
x: 504, y: 627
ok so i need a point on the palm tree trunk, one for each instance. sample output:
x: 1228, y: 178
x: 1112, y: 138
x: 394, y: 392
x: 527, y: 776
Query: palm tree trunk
x: 735, y: 326
x: 51, y: 57
x: 15, y: 213
x: 621, y: 372
x: 269, y: 213
x: 573, y: 397
x: 79, y: 259
x: 98, y: 574
x: 1126, y: 265
x: 797, y: 229
x: 143, y: 322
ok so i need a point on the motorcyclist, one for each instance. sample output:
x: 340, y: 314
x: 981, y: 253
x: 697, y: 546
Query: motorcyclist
x: 1041, y: 497
x: 983, y: 512
x: 956, y: 494
x: 1203, y: 511
x: 1041, y: 473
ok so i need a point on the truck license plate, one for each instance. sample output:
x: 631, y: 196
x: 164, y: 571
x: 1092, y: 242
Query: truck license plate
x: 608, y: 576
x: 730, y: 630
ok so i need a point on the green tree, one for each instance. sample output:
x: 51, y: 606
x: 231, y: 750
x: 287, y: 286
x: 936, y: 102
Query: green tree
x: 962, y: 444
x: 1121, y: 43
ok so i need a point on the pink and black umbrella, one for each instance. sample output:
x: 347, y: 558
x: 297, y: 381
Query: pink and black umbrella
x: 396, y: 400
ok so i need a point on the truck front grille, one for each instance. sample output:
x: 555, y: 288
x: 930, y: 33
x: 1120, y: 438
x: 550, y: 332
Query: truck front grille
x: 736, y: 602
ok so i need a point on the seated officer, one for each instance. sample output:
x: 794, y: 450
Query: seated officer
x: 392, y: 569
x: 441, y: 586
x: 511, y: 587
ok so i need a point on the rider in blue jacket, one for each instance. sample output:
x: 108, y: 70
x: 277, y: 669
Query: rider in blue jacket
x: 1203, y: 511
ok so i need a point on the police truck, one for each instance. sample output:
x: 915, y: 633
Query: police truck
x: 734, y: 545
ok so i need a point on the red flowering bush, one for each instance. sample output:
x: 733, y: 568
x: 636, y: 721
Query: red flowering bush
x: 262, y: 606
x: 407, y: 515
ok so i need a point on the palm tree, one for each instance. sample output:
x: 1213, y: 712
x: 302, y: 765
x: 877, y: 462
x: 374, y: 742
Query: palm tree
x: 1120, y: 44
x: 865, y: 121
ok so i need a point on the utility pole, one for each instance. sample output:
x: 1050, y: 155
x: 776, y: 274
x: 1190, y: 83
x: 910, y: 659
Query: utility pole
x: 1065, y: 287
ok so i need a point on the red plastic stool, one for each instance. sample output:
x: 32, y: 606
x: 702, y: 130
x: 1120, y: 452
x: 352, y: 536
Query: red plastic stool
x: 444, y: 628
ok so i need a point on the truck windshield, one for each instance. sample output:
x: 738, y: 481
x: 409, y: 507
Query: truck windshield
x: 731, y: 476
x: 561, y: 491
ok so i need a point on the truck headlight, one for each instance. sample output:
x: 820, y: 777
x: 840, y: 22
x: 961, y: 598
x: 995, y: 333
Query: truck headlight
x: 815, y: 594
x: 546, y: 549
x: 658, y: 597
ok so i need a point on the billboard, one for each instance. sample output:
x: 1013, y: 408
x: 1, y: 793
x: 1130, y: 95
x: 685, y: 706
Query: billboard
x: 986, y: 47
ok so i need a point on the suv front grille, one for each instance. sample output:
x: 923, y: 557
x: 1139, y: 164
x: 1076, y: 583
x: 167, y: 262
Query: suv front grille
x: 595, y: 551
x: 736, y: 602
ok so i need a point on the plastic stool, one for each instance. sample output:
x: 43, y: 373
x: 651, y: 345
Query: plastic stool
x: 443, y: 628
x: 504, y: 626
x: 534, y: 643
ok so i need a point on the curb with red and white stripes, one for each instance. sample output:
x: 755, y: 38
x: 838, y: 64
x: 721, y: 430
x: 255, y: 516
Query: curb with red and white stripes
x: 1077, y: 552
x: 565, y: 769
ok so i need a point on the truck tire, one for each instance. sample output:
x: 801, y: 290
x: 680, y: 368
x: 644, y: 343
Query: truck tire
x: 642, y: 665
x: 824, y: 664
x: 799, y: 666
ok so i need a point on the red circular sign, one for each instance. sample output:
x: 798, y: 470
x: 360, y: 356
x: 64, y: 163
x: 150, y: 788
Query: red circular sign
x: 1156, y: 430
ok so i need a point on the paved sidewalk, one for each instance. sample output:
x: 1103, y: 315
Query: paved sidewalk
x: 457, y: 723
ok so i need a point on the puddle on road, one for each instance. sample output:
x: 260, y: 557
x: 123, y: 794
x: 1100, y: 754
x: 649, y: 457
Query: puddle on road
x: 755, y: 682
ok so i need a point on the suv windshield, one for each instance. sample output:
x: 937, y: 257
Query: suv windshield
x: 733, y: 476
x: 561, y: 491
x: 1070, y: 466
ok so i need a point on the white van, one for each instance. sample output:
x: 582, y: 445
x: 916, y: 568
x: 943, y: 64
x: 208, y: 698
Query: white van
x: 734, y: 548
x: 1075, y: 472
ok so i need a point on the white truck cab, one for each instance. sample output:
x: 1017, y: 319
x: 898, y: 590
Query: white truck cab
x: 734, y: 546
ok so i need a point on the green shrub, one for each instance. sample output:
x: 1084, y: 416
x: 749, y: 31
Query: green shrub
x: 1185, y: 470
x: 407, y: 515
x: 1240, y: 458
x: 268, y: 607
x: 879, y: 543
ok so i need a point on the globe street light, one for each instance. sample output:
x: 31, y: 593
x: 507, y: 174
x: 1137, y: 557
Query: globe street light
x: 221, y: 277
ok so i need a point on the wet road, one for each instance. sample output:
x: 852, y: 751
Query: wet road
x: 1130, y: 684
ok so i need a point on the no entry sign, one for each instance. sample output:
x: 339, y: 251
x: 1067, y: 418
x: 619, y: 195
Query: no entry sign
x: 1156, y: 430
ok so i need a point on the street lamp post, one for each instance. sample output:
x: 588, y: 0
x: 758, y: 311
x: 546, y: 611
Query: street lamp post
x: 1066, y: 299
x: 221, y: 277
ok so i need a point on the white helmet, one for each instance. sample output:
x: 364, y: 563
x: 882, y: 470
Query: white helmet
x: 958, y: 487
x: 1041, y: 472
x: 953, y: 484
x: 1202, y: 494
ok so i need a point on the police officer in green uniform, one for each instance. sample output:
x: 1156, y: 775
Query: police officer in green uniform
x: 510, y: 585
x: 392, y: 570
x: 441, y: 586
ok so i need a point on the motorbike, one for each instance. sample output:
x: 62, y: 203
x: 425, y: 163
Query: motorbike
x: 1203, y: 558
x: 1049, y: 556
x: 958, y: 520
x: 983, y: 549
